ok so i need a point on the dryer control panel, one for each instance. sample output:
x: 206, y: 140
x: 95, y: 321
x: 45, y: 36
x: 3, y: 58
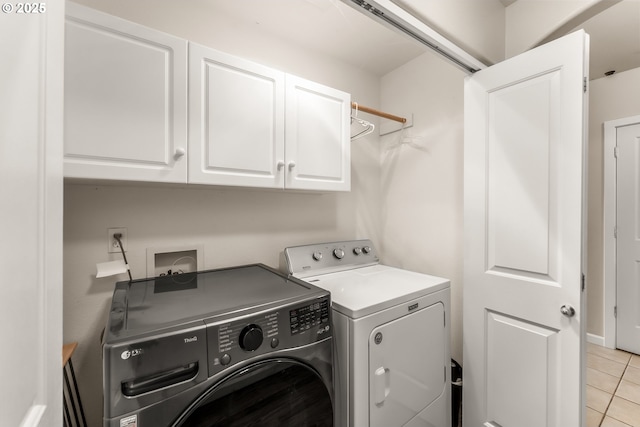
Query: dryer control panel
x: 323, y: 258
x: 242, y: 338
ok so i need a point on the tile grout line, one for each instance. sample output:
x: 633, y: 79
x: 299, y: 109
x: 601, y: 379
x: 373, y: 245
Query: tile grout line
x: 614, y: 394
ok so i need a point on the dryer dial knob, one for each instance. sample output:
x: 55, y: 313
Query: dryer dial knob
x: 338, y: 253
x: 366, y: 249
x: 251, y: 337
x: 317, y: 255
x: 357, y: 250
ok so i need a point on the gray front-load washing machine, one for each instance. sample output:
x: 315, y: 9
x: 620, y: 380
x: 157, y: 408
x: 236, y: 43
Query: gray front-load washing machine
x: 242, y: 346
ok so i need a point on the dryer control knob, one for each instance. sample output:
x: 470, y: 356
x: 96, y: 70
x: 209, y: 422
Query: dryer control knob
x: 338, y: 253
x: 366, y: 249
x: 251, y: 337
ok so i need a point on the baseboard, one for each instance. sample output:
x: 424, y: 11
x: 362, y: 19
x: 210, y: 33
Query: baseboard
x: 595, y: 339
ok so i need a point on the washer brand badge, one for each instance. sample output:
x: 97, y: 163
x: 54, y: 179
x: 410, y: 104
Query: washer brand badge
x: 131, y: 353
x: 131, y: 421
x: 192, y: 339
x: 413, y: 306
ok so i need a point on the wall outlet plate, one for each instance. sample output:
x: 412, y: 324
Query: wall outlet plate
x: 113, y: 243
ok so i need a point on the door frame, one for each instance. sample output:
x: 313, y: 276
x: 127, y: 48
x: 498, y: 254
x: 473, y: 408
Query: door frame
x: 610, y: 222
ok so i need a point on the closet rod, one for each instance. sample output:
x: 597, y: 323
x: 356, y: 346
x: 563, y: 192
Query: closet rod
x: 356, y: 106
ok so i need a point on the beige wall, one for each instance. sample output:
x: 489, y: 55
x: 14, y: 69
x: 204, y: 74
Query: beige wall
x: 422, y: 175
x: 610, y: 98
x: 235, y: 226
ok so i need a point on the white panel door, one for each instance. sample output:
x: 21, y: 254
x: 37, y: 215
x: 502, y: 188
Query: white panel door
x: 318, y: 146
x: 31, y: 82
x: 236, y: 121
x: 125, y: 100
x: 406, y: 369
x: 524, y: 238
x: 628, y: 238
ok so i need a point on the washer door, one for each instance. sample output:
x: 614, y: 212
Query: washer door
x: 269, y: 393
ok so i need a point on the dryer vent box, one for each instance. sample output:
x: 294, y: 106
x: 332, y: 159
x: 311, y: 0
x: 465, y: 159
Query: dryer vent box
x: 174, y: 260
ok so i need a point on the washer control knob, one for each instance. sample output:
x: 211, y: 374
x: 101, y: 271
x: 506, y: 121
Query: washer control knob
x: 366, y: 249
x: 338, y: 253
x: 317, y: 255
x: 251, y: 337
x: 225, y: 359
x: 357, y: 250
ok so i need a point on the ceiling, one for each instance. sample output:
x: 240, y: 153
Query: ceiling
x: 335, y: 29
x: 615, y: 38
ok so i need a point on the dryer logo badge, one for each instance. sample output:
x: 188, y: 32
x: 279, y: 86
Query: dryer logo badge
x: 413, y: 306
x: 378, y: 338
x: 131, y: 353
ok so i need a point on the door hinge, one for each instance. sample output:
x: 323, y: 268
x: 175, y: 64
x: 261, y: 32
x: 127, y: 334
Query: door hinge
x: 615, y: 311
x: 583, y: 282
x: 615, y: 231
x: 584, y: 84
x: 615, y: 151
x: 444, y: 315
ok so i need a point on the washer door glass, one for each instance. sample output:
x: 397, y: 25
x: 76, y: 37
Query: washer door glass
x: 270, y: 393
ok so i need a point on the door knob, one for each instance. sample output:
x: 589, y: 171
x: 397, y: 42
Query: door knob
x: 567, y: 310
x: 280, y: 165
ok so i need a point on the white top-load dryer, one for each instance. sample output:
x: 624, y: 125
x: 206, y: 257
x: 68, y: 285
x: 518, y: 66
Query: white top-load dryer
x: 391, y: 335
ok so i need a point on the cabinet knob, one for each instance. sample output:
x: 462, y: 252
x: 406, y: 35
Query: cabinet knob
x: 280, y: 165
x: 179, y: 153
x: 292, y: 165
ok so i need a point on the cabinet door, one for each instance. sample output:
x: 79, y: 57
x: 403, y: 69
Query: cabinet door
x: 236, y: 121
x: 317, y: 142
x: 125, y: 100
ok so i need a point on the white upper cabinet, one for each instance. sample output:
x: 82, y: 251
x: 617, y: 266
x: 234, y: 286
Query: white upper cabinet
x: 317, y: 142
x: 251, y: 125
x: 236, y: 121
x: 125, y: 100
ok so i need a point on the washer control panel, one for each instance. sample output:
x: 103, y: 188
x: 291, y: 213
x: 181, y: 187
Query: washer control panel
x: 304, y: 318
x: 322, y: 258
x: 242, y: 338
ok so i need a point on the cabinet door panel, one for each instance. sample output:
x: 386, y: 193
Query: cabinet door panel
x: 317, y: 137
x: 125, y: 99
x: 236, y: 121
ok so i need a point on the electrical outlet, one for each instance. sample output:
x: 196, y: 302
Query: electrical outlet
x: 113, y: 243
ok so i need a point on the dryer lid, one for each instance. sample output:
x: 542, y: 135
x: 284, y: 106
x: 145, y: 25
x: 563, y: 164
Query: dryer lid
x: 362, y: 291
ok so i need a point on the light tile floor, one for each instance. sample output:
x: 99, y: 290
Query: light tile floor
x: 613, y: 388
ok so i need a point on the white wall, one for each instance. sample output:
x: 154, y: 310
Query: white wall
x: 610, y: 98
x: 236, y: 226
x: 422, y: 174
